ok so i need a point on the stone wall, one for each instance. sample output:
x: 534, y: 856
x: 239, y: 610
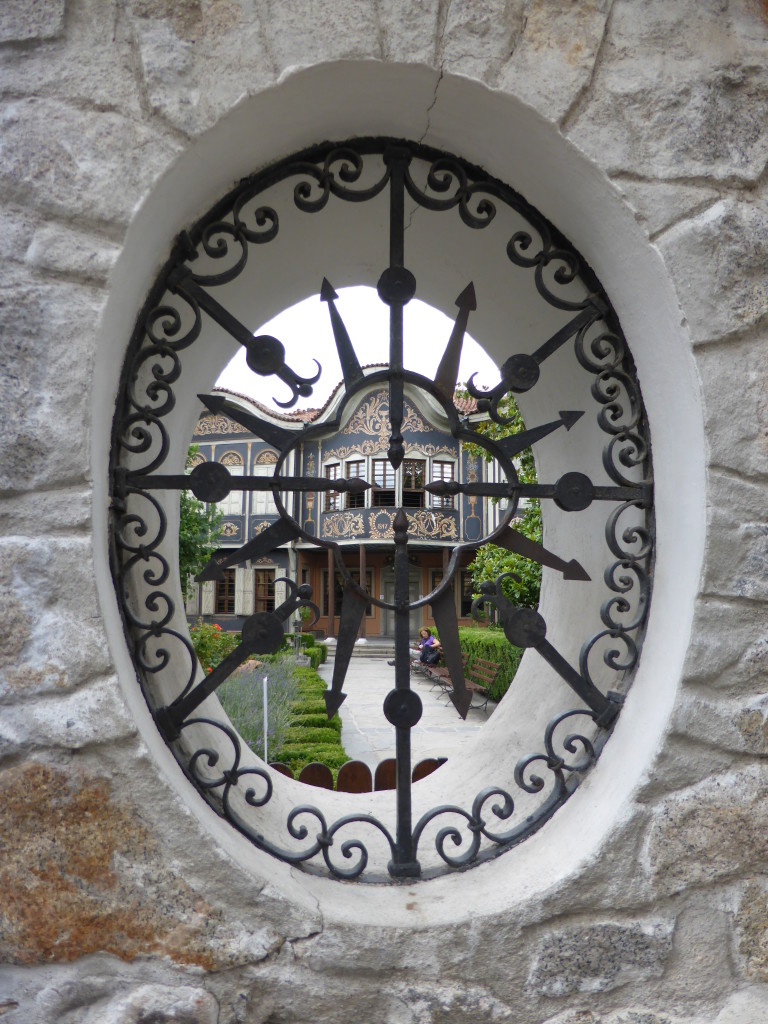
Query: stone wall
x: 116, y: 905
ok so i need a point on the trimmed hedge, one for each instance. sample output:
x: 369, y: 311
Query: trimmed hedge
x: 491, y: 643
x: 310, y: 736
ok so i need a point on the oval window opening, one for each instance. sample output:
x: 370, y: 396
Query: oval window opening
x: 403, y: 502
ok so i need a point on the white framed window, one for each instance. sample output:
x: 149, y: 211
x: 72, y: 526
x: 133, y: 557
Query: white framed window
x: 332, y: 498
x: 354, y: 469
x: 443, y: 470
x: 232, y: 505
x: 262, y: 502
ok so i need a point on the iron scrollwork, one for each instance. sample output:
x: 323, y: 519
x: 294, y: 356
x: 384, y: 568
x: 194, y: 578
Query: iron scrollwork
x: 215, y: 252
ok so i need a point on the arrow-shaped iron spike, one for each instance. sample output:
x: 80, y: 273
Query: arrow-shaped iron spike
x: 170, y: 718
x: 522, y: 545
x: 350, y: 367
x: 448, y: 370
x: 277, y: 436
x: 278, y: 533
x: 353, y: 608
x: 604, y: 708
x: 516, y: 443
x: 559, y: 338
x: 444, y: 614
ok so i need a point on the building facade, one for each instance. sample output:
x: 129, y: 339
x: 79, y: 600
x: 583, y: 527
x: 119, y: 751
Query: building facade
x: 360, y: 524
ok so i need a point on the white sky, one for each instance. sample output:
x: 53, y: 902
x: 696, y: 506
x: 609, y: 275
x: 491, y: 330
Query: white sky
x: 305, y: 331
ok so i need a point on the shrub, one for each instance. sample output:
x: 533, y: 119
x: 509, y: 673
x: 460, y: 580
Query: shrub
x: 241, y: 697
x: 316, y: 655
x: 211, y: 643
x: 311, y: 737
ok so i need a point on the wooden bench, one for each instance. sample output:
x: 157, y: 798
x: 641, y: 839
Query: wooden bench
x: 478, y: 680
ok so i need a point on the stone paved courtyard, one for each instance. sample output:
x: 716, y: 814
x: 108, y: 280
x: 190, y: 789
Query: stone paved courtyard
x: 367, y: 736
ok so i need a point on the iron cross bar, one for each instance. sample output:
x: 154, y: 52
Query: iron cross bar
x: 573, y: 492
x: 210, y: 481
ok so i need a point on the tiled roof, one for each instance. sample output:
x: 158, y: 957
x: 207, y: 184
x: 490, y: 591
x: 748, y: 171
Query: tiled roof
x: 464, y: 404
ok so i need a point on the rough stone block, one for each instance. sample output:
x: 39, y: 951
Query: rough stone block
x: 728, y: 725
x: 735, y: 387
x: 303, y: 33
x: 555, y: 55
x: 92, y: 64
x: 749, y: 1006
x: 92, y: 714
x: 599, y: 957
x: 478, y: 38
x: 715, y: 830
x: 737, y: 560
x: 30, y: 19
x: 699, y: 971
x: 717, y: 261
x: 179, y: 58
x: 408, y: 31
x: 681, y: 92
x: 80, y: 873
x: 46, y: 513
x: 74, y: 162
x: 51, y: 636
x: 729, y: 646
x: 161, y: 1004
x: 75, y: 253
x: 752, y: 931
x: 47, y: 338
x: 660, y: 204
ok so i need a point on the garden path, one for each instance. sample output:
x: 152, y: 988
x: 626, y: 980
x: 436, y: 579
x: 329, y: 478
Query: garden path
x: 367, y: 736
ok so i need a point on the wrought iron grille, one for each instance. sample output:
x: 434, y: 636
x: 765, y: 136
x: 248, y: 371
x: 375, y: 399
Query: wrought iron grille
x: 185, y: 301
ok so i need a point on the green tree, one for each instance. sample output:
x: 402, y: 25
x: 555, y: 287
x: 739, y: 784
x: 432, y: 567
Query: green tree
x: 491, y: 560
x: 199, y: 532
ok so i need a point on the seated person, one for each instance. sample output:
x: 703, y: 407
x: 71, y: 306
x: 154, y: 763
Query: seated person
x: 428, y: 650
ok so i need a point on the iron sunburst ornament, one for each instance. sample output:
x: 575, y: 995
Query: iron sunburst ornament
x: 178, y: 314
